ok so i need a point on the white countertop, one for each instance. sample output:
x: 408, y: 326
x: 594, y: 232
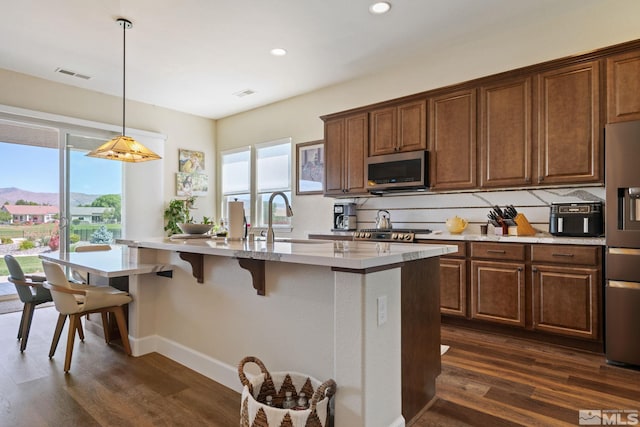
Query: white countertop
x: 538, y: 238
x: 113, y: 263
x: 344, y: 254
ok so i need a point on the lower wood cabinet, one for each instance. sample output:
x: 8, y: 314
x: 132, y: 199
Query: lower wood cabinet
x: 453, y: 287
x: 567, y: 290
x: 567, y: 300
x: 453, y: 280
x: 498, y: 292
x: 545, y: 291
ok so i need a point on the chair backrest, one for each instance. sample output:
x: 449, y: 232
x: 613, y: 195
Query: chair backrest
x: 25, y: 293
x: 65, y: 303
x: 15, y: 271
x: 93, y: 248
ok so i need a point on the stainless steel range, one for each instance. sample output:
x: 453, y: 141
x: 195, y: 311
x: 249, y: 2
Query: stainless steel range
x: 400, y: 235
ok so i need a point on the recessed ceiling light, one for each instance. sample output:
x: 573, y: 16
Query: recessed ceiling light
x: 278, y: 51
x: 378, y: 8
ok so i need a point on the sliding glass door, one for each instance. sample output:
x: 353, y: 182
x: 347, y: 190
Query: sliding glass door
x: 91, y: 193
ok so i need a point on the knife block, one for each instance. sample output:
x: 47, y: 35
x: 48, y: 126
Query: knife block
x: 522, y: 227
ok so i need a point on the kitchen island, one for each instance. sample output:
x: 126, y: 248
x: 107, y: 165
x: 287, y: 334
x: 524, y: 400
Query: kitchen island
x: 365, y: 314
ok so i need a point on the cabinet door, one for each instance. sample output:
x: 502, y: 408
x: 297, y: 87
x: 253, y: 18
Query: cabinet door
x: 506, y: 133
x: 566, y: 301
x: 569, y: 141
x: 334, y: 131
x: 412, y: 127
x: 383, y: 125
x: 623, y: 87
x: 398, y: 128
x: 453, y: 287
x: 452, y: 142
x: 498, y: 292
x: 345, y: 153
x: 355, y: 154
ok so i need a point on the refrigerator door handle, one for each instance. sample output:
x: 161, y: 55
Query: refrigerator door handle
x: 624, y: 251
x: 622, y: 284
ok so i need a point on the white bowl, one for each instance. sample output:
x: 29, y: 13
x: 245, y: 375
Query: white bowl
x: 195, y: 228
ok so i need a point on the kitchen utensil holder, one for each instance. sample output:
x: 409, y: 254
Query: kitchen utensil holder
x: 255, y: 412
x: 522, y: 227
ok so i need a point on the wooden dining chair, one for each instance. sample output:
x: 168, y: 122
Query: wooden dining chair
x: 102, y: 299
x: 81, y: 276
x: 30, y: 292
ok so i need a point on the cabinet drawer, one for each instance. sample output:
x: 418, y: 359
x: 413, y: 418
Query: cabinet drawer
x: 462, y: 247
x: 566, y: 254
x: 499, y: 251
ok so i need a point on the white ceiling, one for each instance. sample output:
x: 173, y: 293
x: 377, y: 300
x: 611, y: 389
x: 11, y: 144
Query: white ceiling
x: 193, y: 55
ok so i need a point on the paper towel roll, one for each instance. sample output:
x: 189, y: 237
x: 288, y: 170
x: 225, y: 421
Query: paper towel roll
x: 236, y: 220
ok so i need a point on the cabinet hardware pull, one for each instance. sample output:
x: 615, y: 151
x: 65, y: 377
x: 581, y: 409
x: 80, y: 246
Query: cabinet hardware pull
x: 534, y: 269
x: 565, y: 255
x: 519, y: 268
x: 496, y: 251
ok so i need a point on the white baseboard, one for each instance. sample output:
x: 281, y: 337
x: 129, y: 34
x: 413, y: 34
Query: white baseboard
x: 218, y: 371
x: 398, y: 422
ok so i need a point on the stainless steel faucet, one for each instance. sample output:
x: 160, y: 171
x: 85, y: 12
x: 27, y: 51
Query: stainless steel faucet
x: 270, y: 234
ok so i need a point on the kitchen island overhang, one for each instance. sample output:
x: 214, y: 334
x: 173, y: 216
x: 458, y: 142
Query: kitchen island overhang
x: 319, y: 314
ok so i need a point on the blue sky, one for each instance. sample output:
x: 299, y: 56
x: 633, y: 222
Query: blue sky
x: 36, y: 169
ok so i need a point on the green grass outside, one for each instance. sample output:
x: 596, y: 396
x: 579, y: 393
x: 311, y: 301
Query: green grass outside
x: 29, y: 263
x: 25, y: 231
x: 44, y: 230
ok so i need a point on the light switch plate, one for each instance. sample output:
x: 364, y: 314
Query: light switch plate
x: 382, y: 310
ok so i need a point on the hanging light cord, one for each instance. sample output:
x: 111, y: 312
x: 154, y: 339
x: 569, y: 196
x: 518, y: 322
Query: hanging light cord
x: 124, y: 67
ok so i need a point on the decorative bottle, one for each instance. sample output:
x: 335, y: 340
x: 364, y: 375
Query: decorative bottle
x: 303, y: 403
x: 288, y: 403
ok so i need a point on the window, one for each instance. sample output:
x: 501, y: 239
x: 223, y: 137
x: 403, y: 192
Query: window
x: 236, y: 179
x: 273, y: 173
x: 252, y: 174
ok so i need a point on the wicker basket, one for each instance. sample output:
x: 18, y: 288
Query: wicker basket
x: 255, y: 413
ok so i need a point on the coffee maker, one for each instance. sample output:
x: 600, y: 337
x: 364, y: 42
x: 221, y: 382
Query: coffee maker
x: 344, y: 217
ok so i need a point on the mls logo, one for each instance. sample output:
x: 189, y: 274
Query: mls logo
x: 590, y: 417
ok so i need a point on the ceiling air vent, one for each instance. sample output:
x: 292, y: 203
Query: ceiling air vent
x: 244, y: 93
x: 72, y: 73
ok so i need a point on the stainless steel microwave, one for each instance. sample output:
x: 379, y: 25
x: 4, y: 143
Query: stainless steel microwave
x: 398, y: 171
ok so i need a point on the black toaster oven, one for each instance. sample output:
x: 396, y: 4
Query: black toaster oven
x: 580, y: 219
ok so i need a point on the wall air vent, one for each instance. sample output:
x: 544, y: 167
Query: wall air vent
x: 244, y: 93
x: 72, y: 73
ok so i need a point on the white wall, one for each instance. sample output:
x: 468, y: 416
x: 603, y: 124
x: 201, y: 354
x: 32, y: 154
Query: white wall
x: 561, y: 33
x: 182, y: 131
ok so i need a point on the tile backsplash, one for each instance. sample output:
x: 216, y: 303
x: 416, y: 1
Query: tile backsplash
x: 431, y: 210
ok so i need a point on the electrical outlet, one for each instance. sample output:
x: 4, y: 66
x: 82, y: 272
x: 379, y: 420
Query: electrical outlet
x: 382, y: 310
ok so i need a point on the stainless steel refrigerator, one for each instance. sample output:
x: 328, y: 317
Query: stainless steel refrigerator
x: 622, y: 288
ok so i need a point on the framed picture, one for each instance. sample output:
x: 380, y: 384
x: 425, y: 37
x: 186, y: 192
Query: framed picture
x: 310, y: 164
x: 191, y: 184
x: 190, y: 161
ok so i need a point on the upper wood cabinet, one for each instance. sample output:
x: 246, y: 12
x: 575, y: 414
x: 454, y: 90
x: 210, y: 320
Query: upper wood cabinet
x: 623, y: 87
x: 398, y: 128
x: 506, y: 133
x: 569, y: 125
x: 345, y: 152
x: 452, y: 140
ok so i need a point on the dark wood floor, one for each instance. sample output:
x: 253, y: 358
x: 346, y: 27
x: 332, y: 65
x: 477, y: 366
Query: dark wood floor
x: 487, y: 380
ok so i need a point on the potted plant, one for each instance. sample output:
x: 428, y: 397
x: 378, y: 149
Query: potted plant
x: 178, y: 212
x: 179, y: 219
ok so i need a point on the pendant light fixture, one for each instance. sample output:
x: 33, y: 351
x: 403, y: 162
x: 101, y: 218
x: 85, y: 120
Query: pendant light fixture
x: 124, y: 148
